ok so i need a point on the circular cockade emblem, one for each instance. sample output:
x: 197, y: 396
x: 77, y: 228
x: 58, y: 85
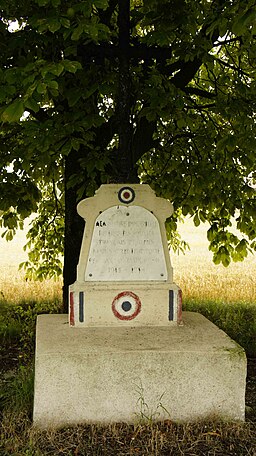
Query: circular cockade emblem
x: 126, y: 305
x: 126, y: 195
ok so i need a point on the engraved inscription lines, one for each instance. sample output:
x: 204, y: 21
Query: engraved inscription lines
x: 126, y: 245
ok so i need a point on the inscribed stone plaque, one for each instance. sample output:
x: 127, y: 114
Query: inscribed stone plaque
x: 126, y: 246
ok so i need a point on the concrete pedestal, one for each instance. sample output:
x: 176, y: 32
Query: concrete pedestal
x: 104, y: 375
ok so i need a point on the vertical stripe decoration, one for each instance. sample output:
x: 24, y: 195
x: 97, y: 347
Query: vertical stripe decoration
x: 179, y: 317
x: 71, y: 309
x: 81, y: 306
x: 171, y: 298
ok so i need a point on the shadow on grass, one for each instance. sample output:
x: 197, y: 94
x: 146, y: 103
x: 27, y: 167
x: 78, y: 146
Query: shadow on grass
x: 238, y: 320
x: 160, y: 439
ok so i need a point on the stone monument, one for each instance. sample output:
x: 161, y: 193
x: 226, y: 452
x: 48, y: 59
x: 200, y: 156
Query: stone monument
x: 125, y: 351
x: 124, y: 274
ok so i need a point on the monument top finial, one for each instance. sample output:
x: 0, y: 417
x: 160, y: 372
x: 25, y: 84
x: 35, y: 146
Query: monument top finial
x: 125, y: 194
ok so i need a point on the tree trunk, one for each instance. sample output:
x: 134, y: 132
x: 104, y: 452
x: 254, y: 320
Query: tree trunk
x: 125, y: 162
x: 74, y: 225
x: 74, y: 228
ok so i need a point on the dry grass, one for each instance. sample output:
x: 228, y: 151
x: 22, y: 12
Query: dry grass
x: 195, y: 272
x: 200, y: 278
x: 236, y: 284
x: 14, y: 288
x: 158, y: 439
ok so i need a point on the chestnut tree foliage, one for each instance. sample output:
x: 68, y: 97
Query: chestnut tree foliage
x: 184, y: 70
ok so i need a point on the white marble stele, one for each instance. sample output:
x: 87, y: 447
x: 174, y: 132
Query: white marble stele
x: 124, y: 274
x: 106, y: 375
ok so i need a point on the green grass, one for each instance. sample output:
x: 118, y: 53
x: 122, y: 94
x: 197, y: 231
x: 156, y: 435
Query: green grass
x: 17, y: 332
x: 238, y: 320
x: 18, y: 322
x: 10, y: 329
x: 17, y: 394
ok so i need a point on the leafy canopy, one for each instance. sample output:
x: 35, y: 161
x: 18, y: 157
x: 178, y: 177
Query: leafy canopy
x: 192, y: 96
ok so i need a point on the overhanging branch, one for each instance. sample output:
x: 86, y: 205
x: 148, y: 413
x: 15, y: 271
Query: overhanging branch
x: 136, y: 51
x: 199, y: 92
x: 189, y: 69
x: 232, y: 67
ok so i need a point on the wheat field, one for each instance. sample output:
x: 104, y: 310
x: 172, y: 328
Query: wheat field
x: 200, y: 278
x: 194, y: 272
x: 13, y: 287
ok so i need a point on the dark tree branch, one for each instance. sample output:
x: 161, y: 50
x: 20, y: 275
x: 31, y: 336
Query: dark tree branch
x: 186, y: 73
x: 180, y: 80
x: 222, y: 43
x: 136, y: 51
x: 185, y: 70
x: 143, y: 138
x: 105, y: 132
x: 190, y: 68
x: 232, y: 67
x: 105, y: 16
x: 199, y: 92
x: 202, y: 107
x: 42, y: 115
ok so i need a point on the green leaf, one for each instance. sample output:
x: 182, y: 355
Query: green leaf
x: 231, y: 143
x: 181, y: 123
x: 14, y: 111
x: 75, y: 143
x: 225, y: 261
x: 202, y: 216
x: 53, y: 85
x: 93, y: 89
x: 65, y: 22
x: 243, y: 21
x: 73, y: 96
x: 196, y: 220
x: 41, y: 87
x: 55, y: 68
x: 66, y: 149
x: 9, y: 235
x: 242, y: 247
x: 70, y: 50
x: 77, y: 33
x: 53, y: 25
x: 72, y: 66
x: 186, y: 209
x: 102, y: 4
x: 32, y: 105
x: 221, y: 144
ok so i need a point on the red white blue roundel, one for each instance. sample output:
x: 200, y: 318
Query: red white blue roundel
x: 126, y: 305
x: 126, y: 195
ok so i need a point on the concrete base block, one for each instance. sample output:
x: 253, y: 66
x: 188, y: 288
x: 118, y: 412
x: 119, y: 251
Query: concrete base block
x: 104, y: 375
